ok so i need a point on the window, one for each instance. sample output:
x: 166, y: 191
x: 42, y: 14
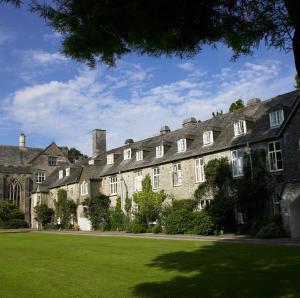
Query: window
x: 40, y: 177
x: 127, y: 154
x: 14, y: 191
x: 155, y: 178
x: 276, y: 204
x: 113, y: 181
x: 177, y: 174
x: 91, y: 162
x: 52, y: 161
x: 139, y: 155
x: 208, y: 137
x: 67, y: 172
x: 84, y: 188
x: 138, y: 181
x: 237, y: 163
x: 199, y: 166
x: 276, y: 118
x: 240, y: 128
x: 159, y: 151
x: 181, y: 145
x: 204, y: 203
x: 110, y: 159
x: 275, y: 156
x: 60, y: 174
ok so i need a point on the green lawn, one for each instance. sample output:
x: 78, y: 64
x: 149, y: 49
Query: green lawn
x: 48, y: 265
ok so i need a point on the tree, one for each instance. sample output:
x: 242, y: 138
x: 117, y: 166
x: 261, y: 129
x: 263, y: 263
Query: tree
x: 117, y: 217
x: 297, y: 81
x: 96, y: 209
x: 43, y: 214
x: 103, y: 31
x: 149, y: 203
x: 74, y: 154
x: 239, y: 104
x: 65, y: 209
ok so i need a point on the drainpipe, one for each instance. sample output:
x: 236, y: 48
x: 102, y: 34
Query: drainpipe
x: 250, y: 159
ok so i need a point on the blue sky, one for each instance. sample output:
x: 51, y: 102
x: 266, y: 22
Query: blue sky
x: 51, y: 98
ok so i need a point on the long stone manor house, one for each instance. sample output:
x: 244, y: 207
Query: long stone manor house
x: 175, y: 159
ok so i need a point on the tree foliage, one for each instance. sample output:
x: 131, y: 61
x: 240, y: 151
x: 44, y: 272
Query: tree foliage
x: 117, y: 217
x: 297, y: 82
x: 149, y: 203
x: 65, y: 209
x: 10, y: 215
x: 239, y: 104
x: 74, y: 154
x: 104, y: 31
x: 96, y: 209
x: 43, y: 214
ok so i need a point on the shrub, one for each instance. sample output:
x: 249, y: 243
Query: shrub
x: 203, y: 223
x: 178, y: 222
x: 15, y: 223
x: 117, y: 217
x: 271, y: 230
x: 44, y: 214
x: 134, y: 227
x: 156, y: 229
x: 51, y: 226
x: 187, y: 204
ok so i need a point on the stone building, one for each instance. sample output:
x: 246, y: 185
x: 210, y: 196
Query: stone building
x: 175, y: 159
x: 22, y: 168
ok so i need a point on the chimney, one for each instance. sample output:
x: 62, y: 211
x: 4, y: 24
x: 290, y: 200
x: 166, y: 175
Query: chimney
x: 129, y: 141
x: 164, y: 130
x: 99, y: 141
x: 189, y: 121
x: 253, y: 101
x: 22, y: 140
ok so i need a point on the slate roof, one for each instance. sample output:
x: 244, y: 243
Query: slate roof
x: 258, y: 129
x: 17, y: 156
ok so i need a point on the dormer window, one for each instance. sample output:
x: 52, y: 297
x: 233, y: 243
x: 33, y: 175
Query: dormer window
x: 60, y: 174
x: 208, y: 138
x: 240, y: 128
x: 159, y: 151
x: 139, y: 155
x: 276, y: 118
x: 181, y: 145
x: 110, y: 159
x: 127, y: 154
x: 67, y: 172
x: 91, y: 162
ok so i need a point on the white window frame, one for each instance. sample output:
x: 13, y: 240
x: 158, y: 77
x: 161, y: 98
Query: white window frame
x: 113, y: 185
x: 208, y: 138
x: 60, y: 174
x: 84, y: 189
x: 273, y: 157
x: 276, y: 118
x: 237, y: 162
x: 159, y: 151
x: 67, y: 172
x: 181, y: 145
x: 176, y: 174
x: 139, y: 155
x: 91, y: 162
x: 40, y: 177
x: 203, y: 203
x: 156, y: 176
x: 240, y: 128
x: 138, y: 178
x: 199, y: 170
x: 127, y: 153
x: 110, y: 159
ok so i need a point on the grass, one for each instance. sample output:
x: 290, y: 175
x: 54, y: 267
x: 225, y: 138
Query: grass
x: 48, y: 265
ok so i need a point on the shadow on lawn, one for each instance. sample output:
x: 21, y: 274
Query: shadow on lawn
x: 227, y: 270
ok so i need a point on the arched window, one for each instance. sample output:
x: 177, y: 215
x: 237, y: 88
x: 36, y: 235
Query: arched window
x: 14, y: 191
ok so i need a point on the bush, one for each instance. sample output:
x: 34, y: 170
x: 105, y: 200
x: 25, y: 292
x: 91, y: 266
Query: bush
x: 134, y: 227
x: 178, y: 222
x: 117, y: 217
x: 51, y: 226
x: 15, y: 224
x: 157, y: 229
x: 187, y: 204
x: 270, y: 230
x: 203, y: 223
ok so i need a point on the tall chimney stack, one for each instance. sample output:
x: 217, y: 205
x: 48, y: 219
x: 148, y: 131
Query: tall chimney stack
x: 99, y: 142
x: 22, y: 140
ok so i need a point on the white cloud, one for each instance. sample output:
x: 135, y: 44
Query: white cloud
x: 42, y: 57
x: 67, y: 111
x: 5, y: 36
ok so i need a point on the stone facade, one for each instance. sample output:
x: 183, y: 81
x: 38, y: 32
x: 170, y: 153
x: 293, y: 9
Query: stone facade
x: 123, y: 165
